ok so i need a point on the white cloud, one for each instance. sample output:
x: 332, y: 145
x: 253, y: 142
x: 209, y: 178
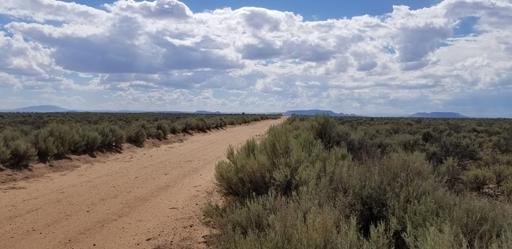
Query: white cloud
x: 148, y: 48
x: 159, y: 9
x: 45, y: 10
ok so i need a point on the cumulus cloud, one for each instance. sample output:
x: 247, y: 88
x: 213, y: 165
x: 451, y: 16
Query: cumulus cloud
x: 45, y: 10
x: 159, y: 9
x: 23, y: 58
x: 144, y: 49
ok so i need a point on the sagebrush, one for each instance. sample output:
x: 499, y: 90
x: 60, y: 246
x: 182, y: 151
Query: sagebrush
x: 30, y: 137
x: 368, y: 183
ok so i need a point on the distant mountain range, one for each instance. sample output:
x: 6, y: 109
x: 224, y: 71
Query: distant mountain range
x: 437, y: 115
x: 39, y: 108
x: 53, y: 108
x: 314, y: 112
x: 310, y: 112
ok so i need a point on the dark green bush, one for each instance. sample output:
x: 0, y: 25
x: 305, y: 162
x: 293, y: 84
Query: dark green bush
x: 504, y: 142
x: 427, y: 136
x: 21, y: 154
x: 243, y: 176
x: 200, y: 124
x: 173, y: 129
x: 459, y: 148
x: 406, y: 142
x: 90, y: 142
x: 163, y: 129
x: 152, y: 132
x: 112, y: 137
x: 15, y: 151
x: 4, y: 154
x: 55, y: 141
x: 326, y: 130
x: 45, y: 145
x: 136, y: 136
x: 362, y: 147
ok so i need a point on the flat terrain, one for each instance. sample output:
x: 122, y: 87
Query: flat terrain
x: 141, y: 199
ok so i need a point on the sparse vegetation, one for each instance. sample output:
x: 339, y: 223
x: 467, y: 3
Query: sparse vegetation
x: 368, y: 183
x: 25, y: 138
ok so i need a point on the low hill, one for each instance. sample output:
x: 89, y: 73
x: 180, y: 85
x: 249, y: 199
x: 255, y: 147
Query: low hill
x: 39, y: 108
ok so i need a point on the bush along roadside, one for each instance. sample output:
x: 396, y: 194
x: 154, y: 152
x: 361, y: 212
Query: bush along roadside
x: 366, y: 183
x: 27, y: 138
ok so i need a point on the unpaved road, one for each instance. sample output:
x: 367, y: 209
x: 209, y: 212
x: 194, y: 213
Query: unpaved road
x: 133, y: 200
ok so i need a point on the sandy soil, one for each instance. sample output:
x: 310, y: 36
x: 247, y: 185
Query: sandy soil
x: 141, y: 199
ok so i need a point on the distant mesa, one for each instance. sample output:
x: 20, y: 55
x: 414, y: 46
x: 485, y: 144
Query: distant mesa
x: 39, y: 108
x: 315, y: 112
x: 438, y: 115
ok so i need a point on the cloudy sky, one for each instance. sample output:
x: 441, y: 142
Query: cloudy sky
x: 367, y: 57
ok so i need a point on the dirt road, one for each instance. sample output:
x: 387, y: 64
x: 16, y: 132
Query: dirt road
x: 133, y: 200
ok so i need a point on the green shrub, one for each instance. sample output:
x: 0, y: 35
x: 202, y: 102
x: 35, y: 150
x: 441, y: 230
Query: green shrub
x: 477, y: 179
x: 326, y: 130
x: 56, y: 135
x: 481, y: 223
x: 45, y: 145
x: 56, y: 140
x: 450, y: 172
x: 9, y: 135
x: 112, y: 137
x: 136, y: 136
x: 406, y: 142
x: 200, y: 124
x: 502, y: 174
x: 163, y: 130
x: 273, y: 165
x: 459, y: 148
x: 4, y: 154
x: 90, y: 142
x: 427, y: 136
x: 21, y: 154
x: 243, y: 176
x: 504, y: 142
x: 173, y: 129
x: 310, y: 185
x: 152, y: 132
x: 364, y: 148
x: 507, y: 189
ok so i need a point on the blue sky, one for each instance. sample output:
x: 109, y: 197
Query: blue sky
x: 307, y: 8
x: 367, y: 57
x: 315, y: 9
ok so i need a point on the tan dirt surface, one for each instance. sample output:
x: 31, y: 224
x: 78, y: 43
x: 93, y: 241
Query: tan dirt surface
x: 141, y: 199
